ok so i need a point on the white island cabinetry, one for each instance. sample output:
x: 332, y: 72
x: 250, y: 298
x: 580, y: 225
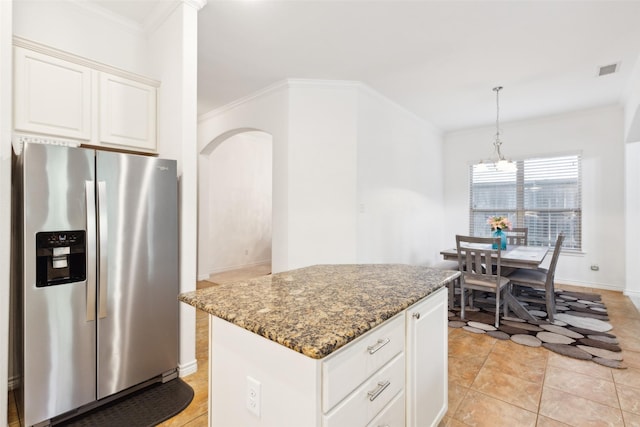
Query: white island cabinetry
x: 427, y: 361
x: 328, y: 346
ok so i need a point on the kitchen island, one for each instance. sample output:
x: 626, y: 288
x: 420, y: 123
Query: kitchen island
x: 328, y: 345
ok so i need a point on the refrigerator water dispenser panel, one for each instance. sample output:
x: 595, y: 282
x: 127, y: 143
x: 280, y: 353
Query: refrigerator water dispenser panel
x: 60, y: 257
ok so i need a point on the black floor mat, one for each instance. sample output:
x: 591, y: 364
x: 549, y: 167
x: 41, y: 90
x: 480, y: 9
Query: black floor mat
x: 147, y: 407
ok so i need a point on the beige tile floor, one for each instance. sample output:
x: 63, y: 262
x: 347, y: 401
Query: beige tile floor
x: 500, y: 383
x: 497, y: 383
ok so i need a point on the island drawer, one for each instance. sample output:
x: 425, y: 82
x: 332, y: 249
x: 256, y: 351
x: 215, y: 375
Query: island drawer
x: 350, y: 366
x: 391, y: 416
x: 370, y: 398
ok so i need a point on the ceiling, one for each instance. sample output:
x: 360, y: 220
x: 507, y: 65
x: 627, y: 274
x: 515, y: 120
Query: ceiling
x: 437, y: 59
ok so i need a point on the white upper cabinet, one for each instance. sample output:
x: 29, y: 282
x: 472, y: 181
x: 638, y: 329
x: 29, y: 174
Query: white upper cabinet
x: 52, y: 96
x: 63, y: 95
x: 127, y: 112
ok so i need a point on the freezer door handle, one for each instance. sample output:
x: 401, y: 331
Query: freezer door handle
x: 90, y: 197
x: 102, y: 249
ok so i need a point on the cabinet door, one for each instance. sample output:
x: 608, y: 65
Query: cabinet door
x: 52, y: 96
x: 427, y: 348
x: 127, y: 113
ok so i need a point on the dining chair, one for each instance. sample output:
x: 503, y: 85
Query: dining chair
x: 541, y: 278
x: 479, y: 265
x: 518, y: 236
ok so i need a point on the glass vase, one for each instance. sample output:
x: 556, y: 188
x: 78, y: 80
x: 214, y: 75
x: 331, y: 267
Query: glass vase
x: 503, y: 239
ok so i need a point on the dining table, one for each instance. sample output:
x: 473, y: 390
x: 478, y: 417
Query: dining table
x: 514, y: 256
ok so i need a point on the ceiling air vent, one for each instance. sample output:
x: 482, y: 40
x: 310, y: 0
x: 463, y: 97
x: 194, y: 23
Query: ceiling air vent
x: 608, y: 69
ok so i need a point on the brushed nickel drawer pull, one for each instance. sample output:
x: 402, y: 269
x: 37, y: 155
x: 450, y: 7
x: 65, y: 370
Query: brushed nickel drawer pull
x: 378, y: 345
x: 416, y: 315
x: 382, y: 385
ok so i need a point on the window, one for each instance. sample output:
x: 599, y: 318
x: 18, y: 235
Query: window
x: 544, y: 195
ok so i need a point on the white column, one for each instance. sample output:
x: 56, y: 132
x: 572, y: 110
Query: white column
x: 189, y: 183
x: 174, y: 47
x: 632, y: 228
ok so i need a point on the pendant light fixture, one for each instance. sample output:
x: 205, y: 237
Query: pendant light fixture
x: 498, y: 162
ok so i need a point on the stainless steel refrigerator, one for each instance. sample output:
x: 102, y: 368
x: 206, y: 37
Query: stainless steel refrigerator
x: 98, y: 305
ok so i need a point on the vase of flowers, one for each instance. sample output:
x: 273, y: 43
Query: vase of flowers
x: 498, y: 225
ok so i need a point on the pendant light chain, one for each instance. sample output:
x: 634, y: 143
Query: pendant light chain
x: 499, y: 163
x: 497, y: 90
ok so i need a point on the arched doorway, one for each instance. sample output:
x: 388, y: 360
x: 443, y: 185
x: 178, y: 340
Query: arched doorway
x: 235, y: 212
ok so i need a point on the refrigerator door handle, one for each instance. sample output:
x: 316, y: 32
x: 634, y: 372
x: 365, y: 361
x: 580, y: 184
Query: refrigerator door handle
x: 90, y: 197
x: 102, y: 252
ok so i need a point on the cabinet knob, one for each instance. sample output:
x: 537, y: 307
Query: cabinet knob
x: 416, y: 315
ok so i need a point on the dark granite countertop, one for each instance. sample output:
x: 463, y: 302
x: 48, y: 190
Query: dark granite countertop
x: 316, y: 310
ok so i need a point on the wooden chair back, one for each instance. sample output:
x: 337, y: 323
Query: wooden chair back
x: 518, y: 236
x: 477, y: 260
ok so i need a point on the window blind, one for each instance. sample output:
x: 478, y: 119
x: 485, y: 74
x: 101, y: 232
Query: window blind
x: 544, y: 195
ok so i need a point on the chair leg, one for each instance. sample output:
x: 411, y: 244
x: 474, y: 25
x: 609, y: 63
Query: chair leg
x: 462, y: 303
x: 452, y: 293
x: 505, y: 306
x: 497, y: 308
x: 551, y: 304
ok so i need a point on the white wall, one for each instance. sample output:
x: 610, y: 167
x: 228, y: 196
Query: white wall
x: 264, y: 111
x: 598, y: 135
x: 84, y: 31
x: 400, y: 205
x: 6, y: 103
x: 632, y: 226
x: 322, y: 121
x: 632, y: 106
x: 345, y: 147
x: 239, y: 205
x: 632, y: 184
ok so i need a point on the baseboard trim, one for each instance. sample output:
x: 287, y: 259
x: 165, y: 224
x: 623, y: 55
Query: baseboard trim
x: 603, y: 286
x: 632, y: 294
x: 237, y: 267
x: 185, y: 369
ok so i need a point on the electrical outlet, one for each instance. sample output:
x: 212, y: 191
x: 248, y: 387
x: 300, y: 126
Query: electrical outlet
x: 253, y: 396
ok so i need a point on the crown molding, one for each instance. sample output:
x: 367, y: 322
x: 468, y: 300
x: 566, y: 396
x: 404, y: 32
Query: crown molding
x: 282, y: 84
x: 196, y: 4
x: 315, y: 83
x: 66, y: 56
x: 126, y: 23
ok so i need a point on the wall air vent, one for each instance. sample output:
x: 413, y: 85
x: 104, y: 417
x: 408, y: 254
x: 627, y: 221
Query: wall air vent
x: 608, y: 69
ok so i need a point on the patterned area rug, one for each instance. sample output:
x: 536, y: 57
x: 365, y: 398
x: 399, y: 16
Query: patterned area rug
x: 580, y: 328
